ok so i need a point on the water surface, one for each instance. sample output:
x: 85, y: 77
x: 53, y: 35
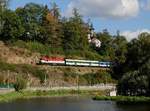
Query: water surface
x: 68, y: 104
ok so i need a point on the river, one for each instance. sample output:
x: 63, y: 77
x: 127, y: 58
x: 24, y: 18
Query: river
x: 68, y: 104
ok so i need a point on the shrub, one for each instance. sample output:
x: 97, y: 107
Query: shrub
x: 41, y: 74
x: 20, y: 84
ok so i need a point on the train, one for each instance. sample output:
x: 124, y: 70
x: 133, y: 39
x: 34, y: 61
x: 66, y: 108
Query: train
x: 73, y: 62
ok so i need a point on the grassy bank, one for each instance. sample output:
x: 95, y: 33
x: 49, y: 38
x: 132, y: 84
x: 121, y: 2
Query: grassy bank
x: 53, y: 93
x: 124, y: 99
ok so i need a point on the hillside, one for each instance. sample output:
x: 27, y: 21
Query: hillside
x: 20, y: 61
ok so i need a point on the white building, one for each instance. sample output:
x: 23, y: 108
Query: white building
x: 93, y: 40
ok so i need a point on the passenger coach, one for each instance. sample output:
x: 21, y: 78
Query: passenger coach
x: 73, y: 62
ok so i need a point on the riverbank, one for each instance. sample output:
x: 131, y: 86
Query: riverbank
x: 52, y: 93
x: 60, y: 93
x: 124, y: 99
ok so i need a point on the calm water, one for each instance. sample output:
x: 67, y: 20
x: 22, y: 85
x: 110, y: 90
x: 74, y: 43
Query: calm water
x: 68, y: 104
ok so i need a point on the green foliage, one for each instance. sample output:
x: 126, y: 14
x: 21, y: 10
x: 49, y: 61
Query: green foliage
x: 42, y: 93
x: 3, y: 4
x: 31, y: 18
x: 75, y: 33
x: 20, y: 84
x: 133, y: 83
x: 106, y: 39
x: 118, y: 55
x: 12, y: 27
x: 41, y: 74
x: 52, y: 27
x: 136, y: 70
x: 138, y: 52
x: 44, y: 31
x: 120, y: 49
x: 124, y: 99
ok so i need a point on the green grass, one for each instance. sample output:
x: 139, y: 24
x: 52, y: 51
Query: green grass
x: 56, y: 93
x: 33, y: 94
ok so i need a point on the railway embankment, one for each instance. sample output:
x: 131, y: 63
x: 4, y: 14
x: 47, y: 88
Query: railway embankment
x: 15, y: 61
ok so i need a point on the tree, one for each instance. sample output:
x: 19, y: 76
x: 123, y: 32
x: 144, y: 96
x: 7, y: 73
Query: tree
x: 53, y: 28
x: 3, y: 6
x: 118, y: 55
x: 135, y: 70
x: 31, y: 19
x: 135, y: 83
x: 55, y: 11
x: 106, y: 49
x: 138, y: 52
x: 75, y: 33
x: 12, y: 27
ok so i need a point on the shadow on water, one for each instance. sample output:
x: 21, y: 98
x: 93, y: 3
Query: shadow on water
x: 68, y: 104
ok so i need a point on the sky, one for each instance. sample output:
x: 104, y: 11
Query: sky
x: 131, y: 17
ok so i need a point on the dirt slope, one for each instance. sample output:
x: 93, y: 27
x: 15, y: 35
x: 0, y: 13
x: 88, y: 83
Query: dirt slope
x: 15, y: 55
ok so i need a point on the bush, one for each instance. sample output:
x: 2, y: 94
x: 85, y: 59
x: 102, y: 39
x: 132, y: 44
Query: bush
x: 20, y: 84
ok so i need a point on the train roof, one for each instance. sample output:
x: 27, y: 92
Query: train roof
x: 76, y: 60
